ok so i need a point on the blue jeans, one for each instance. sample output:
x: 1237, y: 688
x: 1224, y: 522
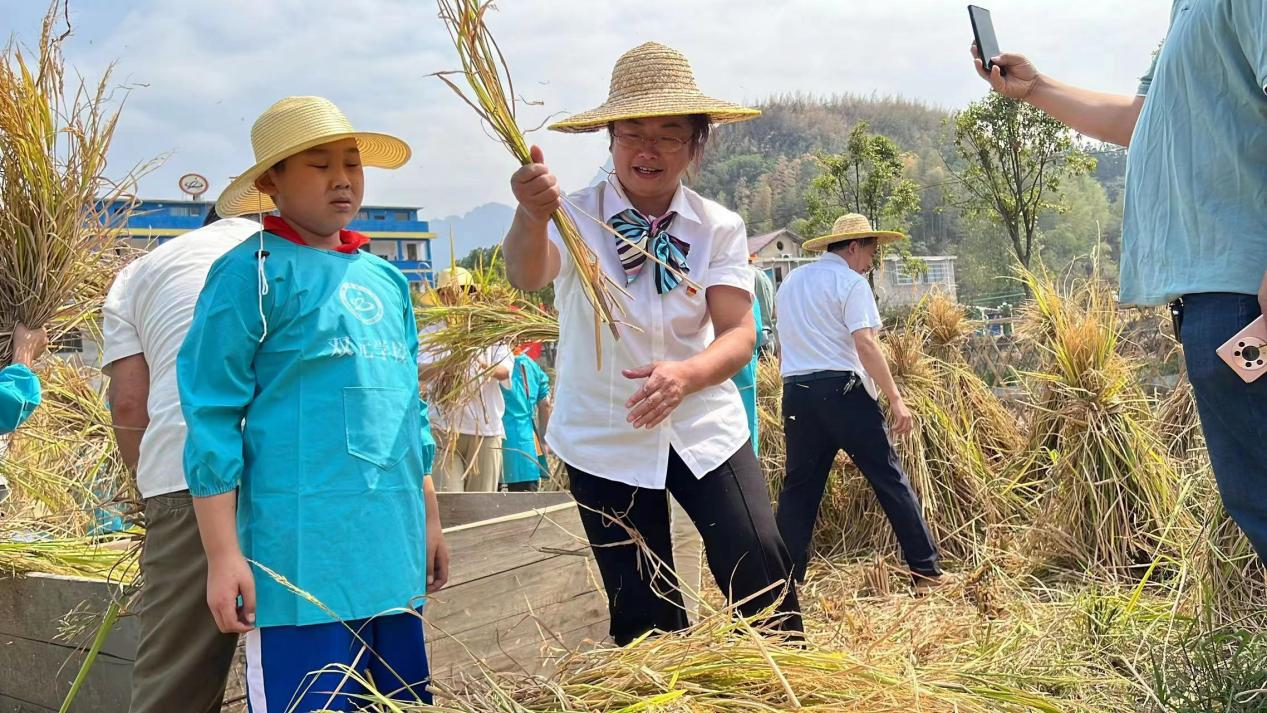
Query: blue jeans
x: 1233, y: 413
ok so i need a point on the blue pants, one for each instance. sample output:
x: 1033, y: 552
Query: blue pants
x: 291, y: 668
x: 1233, y: 413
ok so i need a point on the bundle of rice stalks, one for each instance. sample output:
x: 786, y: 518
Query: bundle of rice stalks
x: 462, y: 328
x: 1177, y: 422
x: 63, y: 465
x: 1229, y: 581
x: 114, y: 557
x: 492, y: 96
x: 56, y: 225
x: 1111, y: 499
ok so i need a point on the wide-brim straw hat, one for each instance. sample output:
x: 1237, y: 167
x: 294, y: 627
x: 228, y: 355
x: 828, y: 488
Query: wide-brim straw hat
x: 653, y: 80
x: 454, y: 277
x: 851, y: 226
x: 293, y: 125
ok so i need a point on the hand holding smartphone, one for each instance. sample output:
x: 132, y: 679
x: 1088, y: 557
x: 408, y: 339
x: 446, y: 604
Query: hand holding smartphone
x: 983, y: 35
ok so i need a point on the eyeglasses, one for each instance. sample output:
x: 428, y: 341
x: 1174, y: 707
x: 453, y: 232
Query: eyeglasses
x: 666, y: 144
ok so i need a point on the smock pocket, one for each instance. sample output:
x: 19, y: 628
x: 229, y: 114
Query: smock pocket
x: 377, y: 422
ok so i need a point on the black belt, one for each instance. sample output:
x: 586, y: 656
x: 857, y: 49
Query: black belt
x: 816, y: 376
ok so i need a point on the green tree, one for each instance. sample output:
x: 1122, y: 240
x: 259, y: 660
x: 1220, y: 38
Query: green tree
x: 490, y: 260
x: 867, y: 178
x: 1014, y: 161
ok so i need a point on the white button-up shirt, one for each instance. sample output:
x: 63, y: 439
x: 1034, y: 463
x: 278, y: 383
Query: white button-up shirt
x: 148, y: 311
x: 588, y: 428
x: 820, y: 305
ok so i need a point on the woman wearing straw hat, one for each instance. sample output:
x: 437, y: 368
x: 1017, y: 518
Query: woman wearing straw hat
x: 831, y: 363
x: 660, y: 413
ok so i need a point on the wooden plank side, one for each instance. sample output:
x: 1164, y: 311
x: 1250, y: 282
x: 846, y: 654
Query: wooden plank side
x: 32, y: 607
x: 485, y: 550
x: 458, y: 509
x: 534, y: 658
x: 506, y: 594
x: 13, y: 705
x: 47, y: 670
x: 518, y: 643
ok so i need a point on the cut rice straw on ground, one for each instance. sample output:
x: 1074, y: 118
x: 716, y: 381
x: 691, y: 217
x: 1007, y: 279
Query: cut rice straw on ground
x: 492, y: 96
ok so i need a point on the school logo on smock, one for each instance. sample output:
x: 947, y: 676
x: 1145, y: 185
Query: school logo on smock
x: 361, y: 302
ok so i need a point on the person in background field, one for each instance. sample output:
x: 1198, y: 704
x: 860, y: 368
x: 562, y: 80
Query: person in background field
x: 527, y: 416
x: 828, y: 320
x: 766, y: 334
x: 299, y: 385
x: 469, y: 441
x: 182, y: 658
x: 746, y: 378
x: 1194, y: 228
x: 19, y: 386
x: 659, y: 415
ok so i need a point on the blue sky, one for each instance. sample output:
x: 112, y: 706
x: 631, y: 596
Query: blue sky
x: 201, y: 72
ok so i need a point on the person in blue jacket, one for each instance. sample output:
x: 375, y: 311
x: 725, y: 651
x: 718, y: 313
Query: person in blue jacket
x: 527, y: 415
x: 305, y: 453
x: 746, y: 379
x: 19, y: 386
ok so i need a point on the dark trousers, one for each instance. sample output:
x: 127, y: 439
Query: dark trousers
x: 819, y: 419
x: 1233, y: 413
x: 525, y: 486
x: 731, y: 510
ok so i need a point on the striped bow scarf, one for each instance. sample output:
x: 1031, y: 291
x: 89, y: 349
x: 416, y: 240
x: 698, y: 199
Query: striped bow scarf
x: 653, y: 237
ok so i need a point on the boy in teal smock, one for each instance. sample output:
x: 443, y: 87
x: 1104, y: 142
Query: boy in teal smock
x: 523, y: 452
x: 304, y: 457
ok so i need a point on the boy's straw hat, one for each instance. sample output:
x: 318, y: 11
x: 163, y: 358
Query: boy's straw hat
x: 851, y: 226
x: 297, y: 124
x: 653, y: 80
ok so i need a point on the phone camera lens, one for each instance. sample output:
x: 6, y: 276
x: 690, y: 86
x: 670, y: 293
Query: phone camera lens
x: 1251, y: 353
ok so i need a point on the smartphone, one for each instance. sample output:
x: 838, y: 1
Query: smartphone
x: 1246, y: 352
x: 983, y: 34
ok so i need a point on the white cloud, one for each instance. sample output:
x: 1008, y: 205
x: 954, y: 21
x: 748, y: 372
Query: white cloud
x: 207, y: 70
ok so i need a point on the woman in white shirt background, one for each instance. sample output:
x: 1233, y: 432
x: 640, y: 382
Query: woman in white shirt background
x: 660, y: 414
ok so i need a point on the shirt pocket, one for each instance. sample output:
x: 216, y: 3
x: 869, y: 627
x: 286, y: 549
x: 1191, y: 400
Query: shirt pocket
x: 375, y: 421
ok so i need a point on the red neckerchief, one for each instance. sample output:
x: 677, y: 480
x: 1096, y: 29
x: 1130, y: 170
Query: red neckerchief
x: 349, y: 240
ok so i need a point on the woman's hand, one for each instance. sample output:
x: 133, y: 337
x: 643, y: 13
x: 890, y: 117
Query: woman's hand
x: 668, y: 382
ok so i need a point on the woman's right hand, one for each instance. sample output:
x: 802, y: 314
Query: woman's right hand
x: 229, y: 577
x: 536, y: 189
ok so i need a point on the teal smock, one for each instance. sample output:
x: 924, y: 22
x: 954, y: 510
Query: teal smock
x: 746, y: 380
x: 522, y: 460
x: 428, y: 441
x: 19, y: 395
x: 318, y: 427
x: 1195, y: 218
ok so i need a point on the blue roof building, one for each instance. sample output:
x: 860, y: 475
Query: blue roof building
x: 396, y: 233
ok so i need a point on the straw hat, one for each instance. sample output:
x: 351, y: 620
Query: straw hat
x: 851, y: 226
x: 653, y: 80
x: 297, y: 124
x: 454, y: 277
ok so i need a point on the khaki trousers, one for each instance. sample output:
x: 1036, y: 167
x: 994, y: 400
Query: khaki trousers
x: 466, y: 463
x: 182, y: 659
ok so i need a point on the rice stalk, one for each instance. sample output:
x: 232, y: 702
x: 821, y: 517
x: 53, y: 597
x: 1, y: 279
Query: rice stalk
x: 57, y: 223
x: 492, y: 97
x: 1111, y: 499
